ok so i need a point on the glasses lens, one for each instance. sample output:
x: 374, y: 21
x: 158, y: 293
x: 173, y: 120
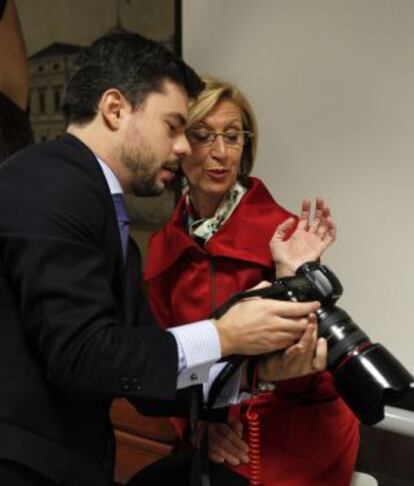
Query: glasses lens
x: 201, y: 137
x: 233, y: 138
x: 206, y: 137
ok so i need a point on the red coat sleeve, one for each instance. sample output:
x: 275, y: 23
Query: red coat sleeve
x: 159, y: 300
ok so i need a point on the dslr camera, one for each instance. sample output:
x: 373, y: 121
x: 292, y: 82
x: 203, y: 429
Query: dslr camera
x: 366, y: 374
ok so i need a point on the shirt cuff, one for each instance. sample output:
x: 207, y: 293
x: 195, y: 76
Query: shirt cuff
x: 198, y: 349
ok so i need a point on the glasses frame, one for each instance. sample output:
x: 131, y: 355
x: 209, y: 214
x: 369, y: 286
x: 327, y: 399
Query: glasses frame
x: 208, y: 143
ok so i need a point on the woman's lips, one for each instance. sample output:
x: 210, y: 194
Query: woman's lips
x: 217, y: 173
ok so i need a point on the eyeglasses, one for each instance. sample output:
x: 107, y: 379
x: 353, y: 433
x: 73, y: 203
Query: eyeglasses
x: 232, y: 138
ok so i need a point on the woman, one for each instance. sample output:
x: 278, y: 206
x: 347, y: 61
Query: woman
x: 217, y: 243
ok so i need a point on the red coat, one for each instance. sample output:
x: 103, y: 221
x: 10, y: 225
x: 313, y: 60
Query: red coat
x: 308, y: 435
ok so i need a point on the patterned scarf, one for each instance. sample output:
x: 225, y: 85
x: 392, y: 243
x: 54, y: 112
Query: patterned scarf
x: 203, y: 229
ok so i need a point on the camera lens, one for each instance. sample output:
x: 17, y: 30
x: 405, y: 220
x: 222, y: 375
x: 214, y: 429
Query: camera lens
x: 341, y: 333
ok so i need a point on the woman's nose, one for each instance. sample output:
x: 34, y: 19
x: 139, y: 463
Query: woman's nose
x: 219, y: 147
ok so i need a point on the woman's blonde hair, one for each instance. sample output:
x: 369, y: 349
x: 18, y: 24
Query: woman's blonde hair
x: 217, y: 90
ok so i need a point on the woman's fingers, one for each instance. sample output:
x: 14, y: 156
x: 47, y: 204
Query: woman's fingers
x: 305, y: 215
x: 308, y: 339
x: 216, y: 457
x: 225, y: 444
x: 321, y: 355
x: 332, y: 232
x: 317, y: 216
x: 308, y: 355
x: 284, y: 229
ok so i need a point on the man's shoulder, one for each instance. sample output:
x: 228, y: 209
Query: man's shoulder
x: 62, y: 173
x: 58, y: 158
x: 51, y: 183
x: 64, y: 147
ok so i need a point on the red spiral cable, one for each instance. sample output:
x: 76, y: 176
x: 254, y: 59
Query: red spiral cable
x: 253, y: 428
x: 253, y: 434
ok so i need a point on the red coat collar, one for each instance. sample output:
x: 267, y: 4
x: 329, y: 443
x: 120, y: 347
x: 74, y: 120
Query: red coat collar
x: 244, y: 235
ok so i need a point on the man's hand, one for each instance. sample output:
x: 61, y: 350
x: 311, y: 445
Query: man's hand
x: 258, y: 326
x: 308, y: 241
x: 226, y: 443
x: 307, y: 356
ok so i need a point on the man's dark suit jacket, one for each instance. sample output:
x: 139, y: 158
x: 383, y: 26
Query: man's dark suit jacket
x: 75, y: 329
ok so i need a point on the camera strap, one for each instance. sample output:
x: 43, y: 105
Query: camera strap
x: 199, y: 474
x: 200, y: 460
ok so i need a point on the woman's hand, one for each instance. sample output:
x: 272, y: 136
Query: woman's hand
x: 308, y: 241
x: 226, y: 443
x: 307, y: 356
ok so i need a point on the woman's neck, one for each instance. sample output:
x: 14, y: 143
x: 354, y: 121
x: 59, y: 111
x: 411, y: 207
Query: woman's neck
x: 205, y: 206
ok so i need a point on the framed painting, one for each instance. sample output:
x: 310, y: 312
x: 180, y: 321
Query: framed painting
x: 55, y: 31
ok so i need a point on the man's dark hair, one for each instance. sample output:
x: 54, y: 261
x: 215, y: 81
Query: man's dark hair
x: 134, y: 65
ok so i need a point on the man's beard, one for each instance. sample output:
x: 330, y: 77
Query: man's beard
x: 144, y: 166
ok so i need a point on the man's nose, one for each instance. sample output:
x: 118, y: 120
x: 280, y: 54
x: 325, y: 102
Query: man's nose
x: 182, y: 146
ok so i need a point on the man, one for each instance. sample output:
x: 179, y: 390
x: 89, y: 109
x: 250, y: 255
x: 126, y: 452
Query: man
x: 75, y: 328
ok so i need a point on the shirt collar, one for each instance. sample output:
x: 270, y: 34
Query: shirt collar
x: 111, y: 180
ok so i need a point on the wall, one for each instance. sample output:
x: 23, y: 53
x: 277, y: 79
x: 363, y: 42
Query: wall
x: 332, y: 82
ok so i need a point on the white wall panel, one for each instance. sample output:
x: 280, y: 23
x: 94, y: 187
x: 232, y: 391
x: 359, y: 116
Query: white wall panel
x: 332, y: 82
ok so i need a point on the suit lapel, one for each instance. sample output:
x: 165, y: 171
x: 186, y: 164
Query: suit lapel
x: 87, y: 160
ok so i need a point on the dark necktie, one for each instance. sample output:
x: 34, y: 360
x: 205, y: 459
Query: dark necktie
x: 123, y: 221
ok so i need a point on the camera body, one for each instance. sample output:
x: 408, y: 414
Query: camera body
x: 366, y: 374
x: 317, y: 282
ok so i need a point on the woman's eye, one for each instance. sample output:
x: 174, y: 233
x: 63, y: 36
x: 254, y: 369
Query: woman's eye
x: 200, y: 136
x: 232, y: 137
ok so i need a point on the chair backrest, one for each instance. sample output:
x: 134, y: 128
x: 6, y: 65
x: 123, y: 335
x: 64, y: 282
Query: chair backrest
x: 362, y: 479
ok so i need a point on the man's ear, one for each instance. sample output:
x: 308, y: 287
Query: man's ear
x: 113, y: 107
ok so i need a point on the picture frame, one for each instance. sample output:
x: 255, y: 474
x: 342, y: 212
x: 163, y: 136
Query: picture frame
x: 55, y: 31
